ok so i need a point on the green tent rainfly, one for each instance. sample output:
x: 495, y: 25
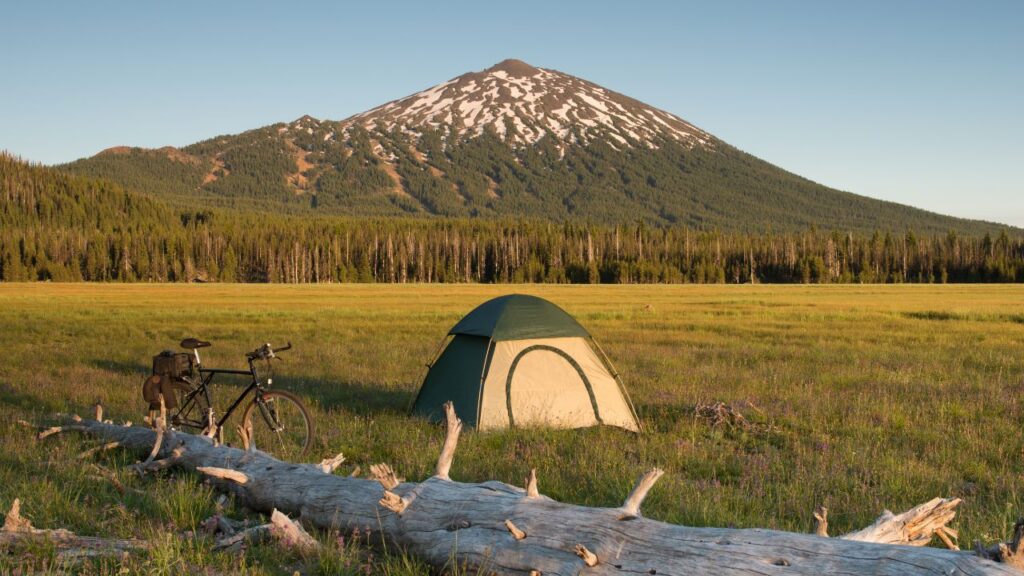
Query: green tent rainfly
x: 520, y: 360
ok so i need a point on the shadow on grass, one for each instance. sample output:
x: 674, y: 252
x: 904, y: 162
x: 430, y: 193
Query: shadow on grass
x: 942, y: 315
x: 28, y: 402
x: 360, y: 398
x: 139, y: 369
x: 933, y: 315
x: 364, y: 399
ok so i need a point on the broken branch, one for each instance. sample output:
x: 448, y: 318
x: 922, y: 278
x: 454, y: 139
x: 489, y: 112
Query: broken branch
x: 914, y: 527
x: 69, y: 546
x: 451, y: 440
x: 385, y: 475
x: 224, y: 474
x: 631, y: 506
x: 821, y: 521
x: 328, y: 465
x: 101, y: 448
x: 516, y: 532
x: 531, y: 484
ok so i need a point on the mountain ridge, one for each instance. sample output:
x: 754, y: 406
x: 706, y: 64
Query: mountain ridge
x: 512, y: 140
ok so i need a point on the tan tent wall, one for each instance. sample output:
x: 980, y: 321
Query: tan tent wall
x: 549, y: 386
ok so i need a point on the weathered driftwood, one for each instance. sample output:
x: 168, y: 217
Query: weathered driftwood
x: 160, y: 425
x: 101, y: 448
x: 385, y: 475
x: 281, y: 528
x: 720, y: 414
x: 329, y: 465
x: 1011, y: 552
x: 821, y: 521
x: 224, y: 527
x: 69, y: 547
x: 914, y: 527
x: 531, y: 484
x: 509, y: 530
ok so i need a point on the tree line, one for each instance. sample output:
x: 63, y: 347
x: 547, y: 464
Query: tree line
x: 67, y: 228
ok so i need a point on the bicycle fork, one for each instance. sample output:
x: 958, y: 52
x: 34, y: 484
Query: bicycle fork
x: 269, y: 413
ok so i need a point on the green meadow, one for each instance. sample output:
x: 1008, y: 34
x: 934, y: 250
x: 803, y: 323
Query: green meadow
x: 861, y: 398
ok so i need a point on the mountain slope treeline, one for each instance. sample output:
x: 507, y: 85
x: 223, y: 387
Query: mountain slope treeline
x: 55, y: 226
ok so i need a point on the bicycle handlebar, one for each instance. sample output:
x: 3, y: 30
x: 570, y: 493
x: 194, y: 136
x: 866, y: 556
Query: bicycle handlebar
x: 266, y: 352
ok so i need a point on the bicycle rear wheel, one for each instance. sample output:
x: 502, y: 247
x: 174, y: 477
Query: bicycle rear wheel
x: 280, y: 424
x: 192, y: 413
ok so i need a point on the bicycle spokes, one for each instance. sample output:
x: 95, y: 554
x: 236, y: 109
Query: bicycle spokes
x: 279, y: 424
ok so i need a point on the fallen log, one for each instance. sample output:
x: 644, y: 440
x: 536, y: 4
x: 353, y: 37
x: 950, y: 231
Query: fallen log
x: 497, y: 528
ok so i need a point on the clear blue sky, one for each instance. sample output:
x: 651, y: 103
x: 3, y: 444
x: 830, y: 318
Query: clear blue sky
x: 916, y: 101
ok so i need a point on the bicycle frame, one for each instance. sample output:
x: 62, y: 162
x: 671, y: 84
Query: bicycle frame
x: 205, y: 380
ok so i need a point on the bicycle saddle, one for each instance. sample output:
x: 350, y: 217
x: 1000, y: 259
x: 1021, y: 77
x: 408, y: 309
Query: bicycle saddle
x: 193, y: 343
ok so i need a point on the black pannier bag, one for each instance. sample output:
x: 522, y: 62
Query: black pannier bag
x: 169, y: 371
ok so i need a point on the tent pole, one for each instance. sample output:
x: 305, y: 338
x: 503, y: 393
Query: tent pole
x: 426, y: 368
x: 618, y: 380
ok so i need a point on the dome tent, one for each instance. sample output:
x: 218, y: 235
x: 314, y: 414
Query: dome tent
x: 520, y: 360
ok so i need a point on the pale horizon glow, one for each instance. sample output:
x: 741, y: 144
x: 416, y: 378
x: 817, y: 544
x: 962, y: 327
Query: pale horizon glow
x: 917, y: 101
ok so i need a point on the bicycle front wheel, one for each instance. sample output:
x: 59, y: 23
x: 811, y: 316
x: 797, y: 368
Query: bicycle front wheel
x: 279, y: 423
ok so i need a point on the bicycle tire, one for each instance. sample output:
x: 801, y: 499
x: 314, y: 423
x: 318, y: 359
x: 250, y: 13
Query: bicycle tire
x: 295, y: 439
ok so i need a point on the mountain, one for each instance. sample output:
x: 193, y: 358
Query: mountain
x: 509, y: 141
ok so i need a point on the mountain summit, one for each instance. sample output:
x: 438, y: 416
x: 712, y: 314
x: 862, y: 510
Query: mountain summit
x: 523, y: 104
x: 511, y: 141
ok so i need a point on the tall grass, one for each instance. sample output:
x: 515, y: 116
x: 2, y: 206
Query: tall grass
x: 865, y: 398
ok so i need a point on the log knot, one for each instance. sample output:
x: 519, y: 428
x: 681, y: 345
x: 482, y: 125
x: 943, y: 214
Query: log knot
x: 393, y: 502
x: 589, y: 558
x: 458, y: 523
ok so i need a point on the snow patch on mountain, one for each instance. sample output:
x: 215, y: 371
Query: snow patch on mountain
x: 524, y: 104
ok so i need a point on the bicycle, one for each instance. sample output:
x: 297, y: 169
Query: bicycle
x: 275, y: 421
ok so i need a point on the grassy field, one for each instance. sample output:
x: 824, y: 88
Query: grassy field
x: 863, y: 398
